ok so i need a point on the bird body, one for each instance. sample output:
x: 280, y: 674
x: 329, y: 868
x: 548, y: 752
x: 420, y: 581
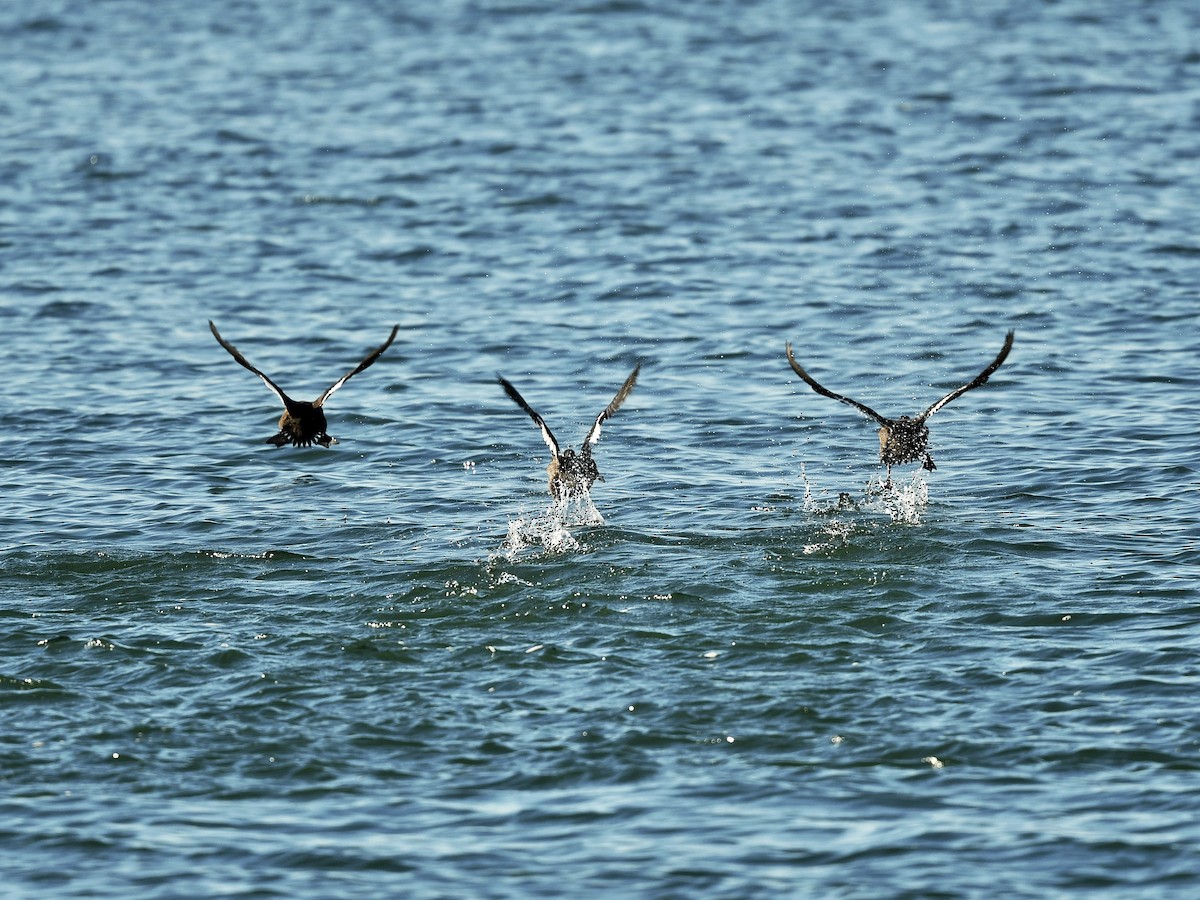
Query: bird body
x: 572, y: 474
x: 302, y: 425
x: 904, y: 440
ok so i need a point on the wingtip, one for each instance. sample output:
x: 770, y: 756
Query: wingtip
x: 1008, y: 344
x: 791, y: 358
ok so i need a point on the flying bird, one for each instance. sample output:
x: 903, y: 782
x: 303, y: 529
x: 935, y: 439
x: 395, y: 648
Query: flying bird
x: 302, y: 423
x: 905, y: 439
x: 572, y: 473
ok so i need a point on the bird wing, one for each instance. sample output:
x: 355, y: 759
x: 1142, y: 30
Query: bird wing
x: 547, y: 434
x: 979, y: 379
x: 374, y: 355
x: 811, y: 382
x: 613, y: 406
x: 233, y: 351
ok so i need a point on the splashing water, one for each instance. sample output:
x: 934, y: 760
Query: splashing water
x: 839, y: 527
x: 904, y: 503
x: 550, y: 530
x: 844, y: 502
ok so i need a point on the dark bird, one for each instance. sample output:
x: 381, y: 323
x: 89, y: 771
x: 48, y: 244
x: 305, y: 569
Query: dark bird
x: 572, y: 474
x: 302, y: 423
x: 905, y: 439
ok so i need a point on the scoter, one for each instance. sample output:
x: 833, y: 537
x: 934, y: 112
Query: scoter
x: 302, y: 423
x: 905, y: 439
x: 571, y: 474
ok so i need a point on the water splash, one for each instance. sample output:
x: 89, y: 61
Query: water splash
x: 844, y: 502
x: 840, y: 525
x: 904, y: 503
x: 551, y: 529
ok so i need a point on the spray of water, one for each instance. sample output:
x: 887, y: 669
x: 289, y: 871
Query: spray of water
x: 551, y: 529
x: 903, y: 502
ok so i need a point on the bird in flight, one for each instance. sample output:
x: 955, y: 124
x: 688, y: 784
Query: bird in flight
x: 905, y: 439
x: 572, y: 473
x: 303, y: 423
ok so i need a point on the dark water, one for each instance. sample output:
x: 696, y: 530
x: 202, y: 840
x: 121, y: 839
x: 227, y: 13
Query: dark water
x: 379, y: 669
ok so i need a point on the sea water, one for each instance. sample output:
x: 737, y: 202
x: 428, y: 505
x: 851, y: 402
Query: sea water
x: 387, y: 668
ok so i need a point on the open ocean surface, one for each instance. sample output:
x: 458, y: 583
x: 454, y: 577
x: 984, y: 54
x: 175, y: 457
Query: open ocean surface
x: 381, y: 669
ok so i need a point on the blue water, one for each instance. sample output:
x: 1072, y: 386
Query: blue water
x: 384, y: 669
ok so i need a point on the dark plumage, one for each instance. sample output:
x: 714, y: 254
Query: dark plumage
x: 302, y: 423
x: 572, y: 474
x: 905, y: 439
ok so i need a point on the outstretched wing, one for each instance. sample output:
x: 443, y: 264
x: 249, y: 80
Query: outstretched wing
x: 362, y: 365
x: 613, y: 406
x: 236, y: 354
x: 825, y: 392
x: 547, y: 435
x: 981, y: 378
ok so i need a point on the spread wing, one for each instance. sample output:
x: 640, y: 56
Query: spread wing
x: 362, y: 365
x: 613, y: 406
x: 236, y: 354
x: 547, y: 435
x: 980, y: 379
x: 825, y: 392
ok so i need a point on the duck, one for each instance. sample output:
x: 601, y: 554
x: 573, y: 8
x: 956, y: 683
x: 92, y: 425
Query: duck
x: 571, y: 474
x: 905, y: 439
x: 303, y: 423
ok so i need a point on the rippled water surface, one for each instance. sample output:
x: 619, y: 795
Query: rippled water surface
x: 386, y: 668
